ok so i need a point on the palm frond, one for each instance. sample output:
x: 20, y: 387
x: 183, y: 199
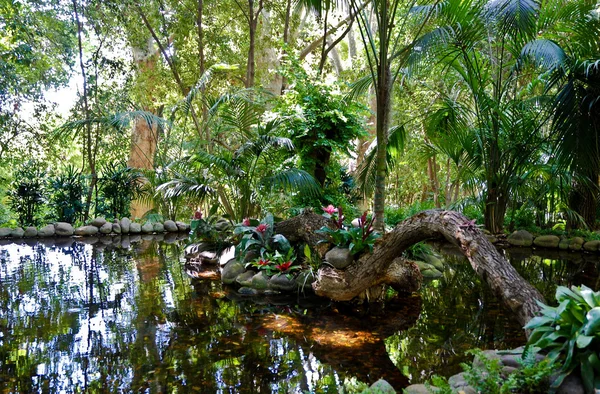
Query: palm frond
x: 293, y: 180
x: 517, y: 18
x: 120, y: 121
x: 359, y: 87
x: 545, y: 53
x: 186, y: 186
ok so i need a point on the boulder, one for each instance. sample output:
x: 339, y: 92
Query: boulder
x: 170, y: 226
x: 86, y: 230
x: 106, y: 228
x: 30, y: 232
x: 183, y: 226
x: 245, y: 279
x: 63, y: 229
x: 434, y: 261
x: 591, y: 246
x: 547, y: 241
x: 222, y: 225
x: 247, y: 291
x: 98, y: 222
x: 17, y: 233
x: 457, y: 381
x: 231, y: 271
x: 489, y: 354
x: 47, y: 231
x: 282, y: 282
x: 116, y: 228
x: 383, y: 387
x: 520, y: 238
x: 158, y: 227
x: 125, y: 224
x: 260, y: 281
x: 563, y: 244
x: 571, y: 385
x: 431, y: 273
x: 134, y: 228
x: 424, y: 266
x: 419, y: 389
x: 147, y: 228
x: 340, y: 258
x: 576, y: 243
x: 5, y: 232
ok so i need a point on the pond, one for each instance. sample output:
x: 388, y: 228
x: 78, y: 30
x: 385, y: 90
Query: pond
x: 127, y: 317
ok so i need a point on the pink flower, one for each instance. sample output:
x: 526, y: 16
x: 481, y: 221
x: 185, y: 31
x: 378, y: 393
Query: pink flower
x: 330, y: 209
x: 198, y: 214
x: 261, y: 228
x: 284, y: 266
x: 246, y: 222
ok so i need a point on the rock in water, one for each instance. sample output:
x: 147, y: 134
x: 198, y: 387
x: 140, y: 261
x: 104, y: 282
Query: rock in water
x: 147, y: 228
x: 106, y: 228
x: 47, y: 231
x: 340, y: 258
x: 520, y: 238
x: 63, y: 229
x: 86, y: 230
x: 30, y: 232
x: 98, y: 222
x: 158, y: 228
x: 171, y: 226
x: 135, y: 228
x: 125, y: 224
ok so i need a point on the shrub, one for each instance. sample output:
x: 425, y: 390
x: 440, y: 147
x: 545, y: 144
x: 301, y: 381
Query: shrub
x: 118, y: 186
x: 26, y: 194
x: 67, y: 194
x: 357, y: 239
x: 570, y: 333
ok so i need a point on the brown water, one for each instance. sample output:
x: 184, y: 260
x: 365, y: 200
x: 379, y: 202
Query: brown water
x: 120, y: 318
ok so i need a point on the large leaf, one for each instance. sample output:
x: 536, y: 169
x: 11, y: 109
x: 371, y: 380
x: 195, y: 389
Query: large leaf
x: 592, y: 326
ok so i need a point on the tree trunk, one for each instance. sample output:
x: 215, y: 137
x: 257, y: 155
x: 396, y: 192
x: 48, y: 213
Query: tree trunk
x: 384, y: 100
x: 374, y: 268
x: 496, y: 202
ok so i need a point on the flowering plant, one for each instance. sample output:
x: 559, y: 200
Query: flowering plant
x: 276, y: 263
x: 356, y: 239
x: 259, y: 237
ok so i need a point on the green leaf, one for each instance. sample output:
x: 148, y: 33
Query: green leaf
x: 592, y: 325
x: 538, y: 321
x: 584, y: 341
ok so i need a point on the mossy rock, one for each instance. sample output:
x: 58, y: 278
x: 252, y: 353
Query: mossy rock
x: 424, y: 266
x: 231, y: 271
x: 245, y: 279
x: 520, y: 238
x: 260, y: 281
x: 282, y: 282
x: 591, y: 246
x: 576, y: 243
x: 547, y: 241
x: 431, y: 273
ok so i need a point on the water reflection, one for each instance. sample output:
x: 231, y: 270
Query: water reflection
x: 122, y: 315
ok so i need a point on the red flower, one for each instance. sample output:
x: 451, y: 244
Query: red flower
x: 198, y: 214
x: 330, y: 209
x: 263, y: 262
x: 284, y: 266
x: 246, y: 222
x: 261, y: 228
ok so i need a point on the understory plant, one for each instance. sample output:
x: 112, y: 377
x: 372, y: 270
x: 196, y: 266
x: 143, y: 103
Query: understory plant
x: 118, y: 186
x: 274, y: 263
x: 570, y: 333
x: 26, y: 194
x: 67, y: 191
x: 357, y: 239
x: 259, y: 238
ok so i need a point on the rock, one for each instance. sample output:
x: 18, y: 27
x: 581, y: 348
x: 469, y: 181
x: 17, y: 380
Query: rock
x: 260, y: 281
x: 571, y: 385
x: 467, y: 390
x: 431, y: 273
x: 147, y: 228
x: 231, y: 271
x: 424, y: 266
x: 507, y: 371
x: 17, y: 233
x: 98, y: 222
x: 135, y: 237
x: 227, y: 255
x: 340, y: 258
x: 5, y: 232
x: 434, y: 261
x: 245, y: 279
x: 511, y: 360
x: 520, y: 238
x: 158, y: 228
x: 457, y: 381
x: 170, y: 226
x: 281, y: 282
x: 382, y: 387
x: 106, y: 228
x: 547, y: 241
x: 222, y: 225
x: 183, y: 226
x: 491, y: 238
x: 591, y: 246
x: 86, y: 230
x: 576, y: 243
x: 63, y: 229
x: 563, y: 244
x: 125, y: 224
x: 419, y: 389
x: 247, y: 291
x: 134, y: 228
x: 116, y: 228
x: 489, y: 354
x: 251, y: 255
x: 30, y: 232
x: 47, y: 231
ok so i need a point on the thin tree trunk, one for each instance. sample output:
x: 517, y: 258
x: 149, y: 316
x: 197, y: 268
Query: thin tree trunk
x: 384, y: 99
x: 286, y: 39
x: 373, y: 269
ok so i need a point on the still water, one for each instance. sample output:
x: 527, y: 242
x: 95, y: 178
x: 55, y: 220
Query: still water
x: 128, y: 317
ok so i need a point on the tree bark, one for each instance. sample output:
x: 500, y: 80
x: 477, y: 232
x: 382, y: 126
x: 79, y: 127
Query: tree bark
x: 372, y: 269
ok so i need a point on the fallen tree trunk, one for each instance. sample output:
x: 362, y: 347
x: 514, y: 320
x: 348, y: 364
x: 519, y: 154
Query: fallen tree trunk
x: 374, y: 268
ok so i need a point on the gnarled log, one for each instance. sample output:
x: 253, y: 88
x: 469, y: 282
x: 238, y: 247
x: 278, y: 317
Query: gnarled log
x: 302, y: 228
x: 372, y: 269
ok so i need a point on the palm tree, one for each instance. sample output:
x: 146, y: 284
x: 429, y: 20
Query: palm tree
x: 480, y: 43
x: 570, y: 59
x: 241, y: 180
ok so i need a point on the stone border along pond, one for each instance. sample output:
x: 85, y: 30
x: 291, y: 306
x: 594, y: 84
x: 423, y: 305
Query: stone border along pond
x: 525, y: 238
x: 98, y: 226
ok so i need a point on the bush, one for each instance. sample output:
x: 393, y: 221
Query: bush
x: 67, y: 195
x: 26, y: 194
x: 393, y: 216
x: 571, y: 333
x: 118, y: 186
